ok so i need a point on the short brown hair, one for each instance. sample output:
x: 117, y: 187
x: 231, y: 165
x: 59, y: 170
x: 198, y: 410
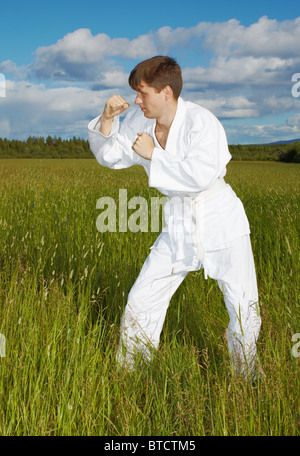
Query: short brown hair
x: 158, y: 72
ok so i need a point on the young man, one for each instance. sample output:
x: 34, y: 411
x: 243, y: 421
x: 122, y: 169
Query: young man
x: 183, y: 149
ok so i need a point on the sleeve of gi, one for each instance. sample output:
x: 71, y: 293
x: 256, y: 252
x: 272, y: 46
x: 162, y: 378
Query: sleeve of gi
x: 197, y: 159
x: 114, y: 151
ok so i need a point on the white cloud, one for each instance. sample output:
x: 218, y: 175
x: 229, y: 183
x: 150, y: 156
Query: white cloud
x: 34, y: 110
x: 261, y: 133
x: 8, y: 67
x: 114, y: 79
x: 266, y: 37
x: 253, y: 71
x: 81, y: 56
x: 263, y: 53
x: 246, y: 73
x: 228, y: 107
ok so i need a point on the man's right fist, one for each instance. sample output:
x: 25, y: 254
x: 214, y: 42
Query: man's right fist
x: 114, y: 106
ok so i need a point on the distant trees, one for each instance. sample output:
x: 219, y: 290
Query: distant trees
x: 292, y: 154
x: 38, y: 147
x: 287, y: 152
x: 53, y: 147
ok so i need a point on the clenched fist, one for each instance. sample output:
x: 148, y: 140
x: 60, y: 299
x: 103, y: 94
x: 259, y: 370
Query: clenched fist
x: 114, y: 106
x: 144, y: 145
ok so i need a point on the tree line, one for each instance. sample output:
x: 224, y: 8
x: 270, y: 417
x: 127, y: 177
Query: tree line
x: 53, y: 147
x: 39, y: 147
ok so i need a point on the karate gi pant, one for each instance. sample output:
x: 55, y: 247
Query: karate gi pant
x: 149, y: 298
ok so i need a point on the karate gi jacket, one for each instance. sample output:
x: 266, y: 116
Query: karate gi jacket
x: 193, y: 161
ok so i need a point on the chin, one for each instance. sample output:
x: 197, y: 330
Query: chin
x: 148, y: 115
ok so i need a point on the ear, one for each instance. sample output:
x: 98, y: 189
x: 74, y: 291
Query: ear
x: 168, y: 92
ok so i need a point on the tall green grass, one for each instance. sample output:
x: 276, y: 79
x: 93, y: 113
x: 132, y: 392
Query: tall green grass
x: 64, y: 285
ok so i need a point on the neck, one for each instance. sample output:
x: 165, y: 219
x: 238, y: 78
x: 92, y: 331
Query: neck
x: 164, y: 121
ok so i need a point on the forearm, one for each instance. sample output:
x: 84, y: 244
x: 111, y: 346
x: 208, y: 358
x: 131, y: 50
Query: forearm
x: 106, y: 125
x: 115, y: 150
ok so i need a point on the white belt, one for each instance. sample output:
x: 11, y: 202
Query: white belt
x: 218, y: 185
x: 196, y: 203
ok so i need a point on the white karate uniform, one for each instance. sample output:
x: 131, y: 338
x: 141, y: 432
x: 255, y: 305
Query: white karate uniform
x: 206, y: 227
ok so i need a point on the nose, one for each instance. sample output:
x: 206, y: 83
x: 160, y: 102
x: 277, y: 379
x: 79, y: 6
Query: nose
x: 137, y: 100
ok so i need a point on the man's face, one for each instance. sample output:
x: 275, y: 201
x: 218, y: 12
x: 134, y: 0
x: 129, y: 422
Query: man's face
x: 150, y: 101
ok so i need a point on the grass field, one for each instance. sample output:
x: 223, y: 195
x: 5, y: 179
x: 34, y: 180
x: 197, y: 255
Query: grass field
x: 63, y: 287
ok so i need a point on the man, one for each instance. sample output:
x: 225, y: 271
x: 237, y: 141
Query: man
x: 183, y: 149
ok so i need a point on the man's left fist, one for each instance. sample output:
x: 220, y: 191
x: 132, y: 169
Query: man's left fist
x: 144, y: 145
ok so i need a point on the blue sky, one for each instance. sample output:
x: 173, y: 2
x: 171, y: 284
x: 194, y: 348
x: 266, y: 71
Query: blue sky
x: 61, y: 60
